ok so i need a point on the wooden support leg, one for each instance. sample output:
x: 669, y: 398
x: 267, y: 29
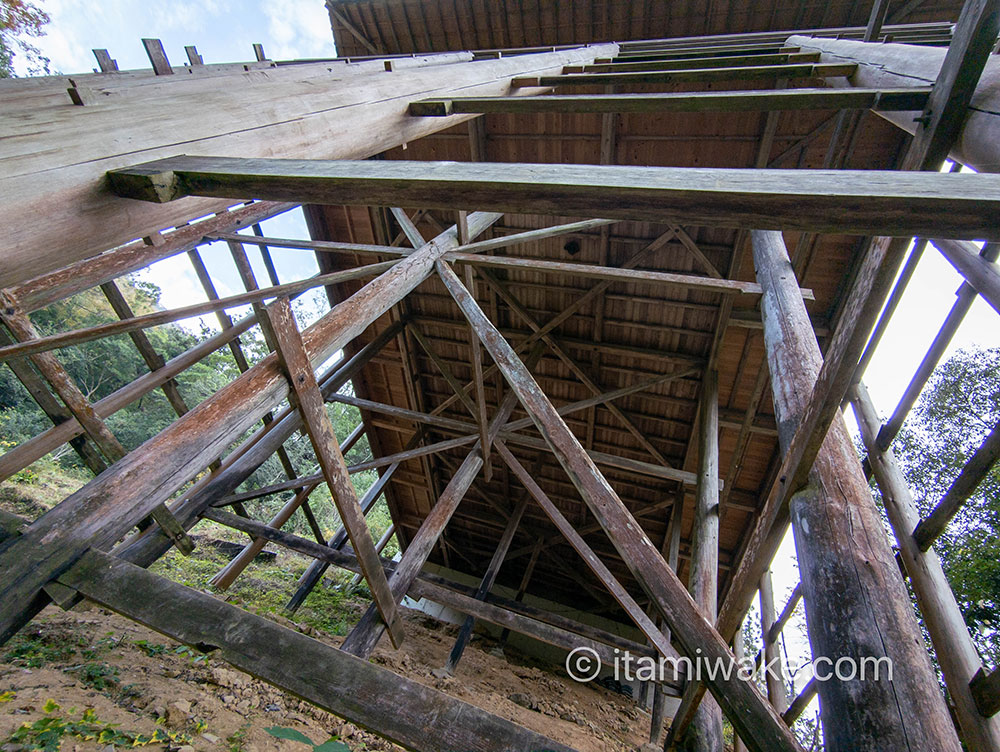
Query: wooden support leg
x: 754, y: 719
x: 465, y: 632
x: 671, y: 550
x: 856, y: 604
x: 522, y: 589
x: 705, y: 732
x: 309, y: 399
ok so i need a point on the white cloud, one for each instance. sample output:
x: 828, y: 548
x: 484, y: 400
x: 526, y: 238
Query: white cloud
x: 298, y: 29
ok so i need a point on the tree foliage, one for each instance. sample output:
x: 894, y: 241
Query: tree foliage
x: 20, y: 22
x: 960, y: 406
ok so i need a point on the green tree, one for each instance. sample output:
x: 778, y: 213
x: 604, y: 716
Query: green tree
x: 20, y: 22
x: 959, y: 407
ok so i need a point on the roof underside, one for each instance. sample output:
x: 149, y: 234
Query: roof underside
x: 406, y: 26
x: 629, y: 333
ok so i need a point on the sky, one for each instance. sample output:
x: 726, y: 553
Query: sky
x: 224, y: 31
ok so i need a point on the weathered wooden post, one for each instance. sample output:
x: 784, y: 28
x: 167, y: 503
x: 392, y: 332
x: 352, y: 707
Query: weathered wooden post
x: 705, y: 732
x: 857, y: 609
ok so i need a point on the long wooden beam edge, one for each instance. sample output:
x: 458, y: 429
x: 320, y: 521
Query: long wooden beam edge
x: 867, y: 202
x: 411, y: 714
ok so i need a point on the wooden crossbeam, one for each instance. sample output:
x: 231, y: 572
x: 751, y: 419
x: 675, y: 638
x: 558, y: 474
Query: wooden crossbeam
x: 593, y: 271
x: 292, y: 355
x: 410, y: 714
x: 753, y: 718
x: 972, y: 474
x: 694, y: 75
x: 698, y: 62
x: 960, y: 205
x: 880, y: 100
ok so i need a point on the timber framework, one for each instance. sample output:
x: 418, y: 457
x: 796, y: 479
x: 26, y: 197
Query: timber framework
x: 601, y: 281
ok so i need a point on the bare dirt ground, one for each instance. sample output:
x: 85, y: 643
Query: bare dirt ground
x: 142, y: 681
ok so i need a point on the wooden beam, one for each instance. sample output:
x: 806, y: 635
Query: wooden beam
x: 860, y: 201
x: 972, y: 474
x: 551, y: 628
x: 875, y: 20
x: 336, y: 15
x: 591, y: 559
x: 157, y: 57
x: 880, y: 100
x: 753, y: 718
x: 786, y: 613
x: 593, y: 271
x: 857, y: 715
x: 104, y: 61
x: 986, y: 690
x: 407, y: 713
x: 956, y: 654
x: 705, y: 731
x: 699, y: 75
x: 979, y: 268
x: 307, y: 397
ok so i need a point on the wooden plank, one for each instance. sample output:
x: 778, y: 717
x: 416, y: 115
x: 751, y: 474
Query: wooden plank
x: 853, y: 201
x: 754, y: 720
x: 880, y: 100
x: 956, y: 654
x: 193, y: 57
x: 786, y: 613
x: 157, y: 57
x: 801, y: 702
x: 294, y: 359
x: 875, y: 20
x: 407, y: 713
x: 480, y: 387
x: 695, y: 75
x: 104, y: 61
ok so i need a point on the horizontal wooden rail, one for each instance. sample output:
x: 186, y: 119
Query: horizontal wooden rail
x: 697, y: 62
x: 694, y: 75
x: 986, y: 691
x: 690, y: 281
x: 894, y: 203
x: 880, y: 100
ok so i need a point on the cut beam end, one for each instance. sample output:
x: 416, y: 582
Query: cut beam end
x: 147, y: 182
x: 431, y: 108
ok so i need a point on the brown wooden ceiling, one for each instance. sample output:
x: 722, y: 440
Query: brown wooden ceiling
x: 644, y: 330
x: 408, y: 26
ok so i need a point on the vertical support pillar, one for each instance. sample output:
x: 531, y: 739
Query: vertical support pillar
x: 705, y: 732
x: 856, y: 603
x: 671, y: 551
x: 773, y: 672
